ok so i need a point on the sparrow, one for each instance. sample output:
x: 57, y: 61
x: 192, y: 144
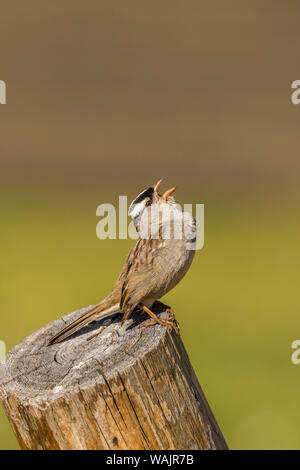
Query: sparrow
x: 159, y: 259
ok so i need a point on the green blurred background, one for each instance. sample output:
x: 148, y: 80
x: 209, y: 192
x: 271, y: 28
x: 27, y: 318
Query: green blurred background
x: 104, y: 98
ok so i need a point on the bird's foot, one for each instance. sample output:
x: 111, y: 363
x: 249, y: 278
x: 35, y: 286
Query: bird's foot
x: 173, y: 320
x: 169, y: 322
x: 172, y: 324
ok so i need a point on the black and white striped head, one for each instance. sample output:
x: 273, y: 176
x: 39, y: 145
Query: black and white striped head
x: 147, y: 198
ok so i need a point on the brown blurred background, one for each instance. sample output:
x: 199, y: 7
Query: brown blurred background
x: 104, y: 98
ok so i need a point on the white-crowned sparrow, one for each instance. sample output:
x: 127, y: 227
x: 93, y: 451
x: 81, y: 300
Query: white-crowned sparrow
x: 157, y: 262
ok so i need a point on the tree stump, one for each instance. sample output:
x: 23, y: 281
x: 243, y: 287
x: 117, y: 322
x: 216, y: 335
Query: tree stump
x: 129, y: 387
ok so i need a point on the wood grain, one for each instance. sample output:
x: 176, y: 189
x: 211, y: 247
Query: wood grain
x: 129, y: 387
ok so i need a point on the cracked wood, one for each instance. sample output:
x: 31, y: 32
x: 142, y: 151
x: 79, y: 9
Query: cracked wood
x: 129, y: 387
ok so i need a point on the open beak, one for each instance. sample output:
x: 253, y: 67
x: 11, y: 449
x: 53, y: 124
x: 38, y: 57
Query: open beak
x: 167, y: 193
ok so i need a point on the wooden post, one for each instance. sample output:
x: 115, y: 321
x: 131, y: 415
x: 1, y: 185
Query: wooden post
x: 128, y: 387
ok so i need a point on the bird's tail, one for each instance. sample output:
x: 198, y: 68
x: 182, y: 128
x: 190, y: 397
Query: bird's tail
x: 104, y: 308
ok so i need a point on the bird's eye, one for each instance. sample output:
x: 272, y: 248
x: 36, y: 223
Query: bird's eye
x: 148, y: 203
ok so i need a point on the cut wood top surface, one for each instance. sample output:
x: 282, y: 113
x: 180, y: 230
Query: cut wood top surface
x: 33, y: 369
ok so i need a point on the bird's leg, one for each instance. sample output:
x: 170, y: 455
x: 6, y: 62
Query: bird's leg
x: 169, y: 322
x: 171, y: 313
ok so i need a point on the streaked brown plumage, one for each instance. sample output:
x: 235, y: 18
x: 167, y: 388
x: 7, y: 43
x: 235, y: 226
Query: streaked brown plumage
x: 153, y: 267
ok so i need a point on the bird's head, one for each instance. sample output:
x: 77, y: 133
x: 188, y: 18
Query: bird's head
x: 148, y: 198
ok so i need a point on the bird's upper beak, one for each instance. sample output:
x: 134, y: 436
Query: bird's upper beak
x: 167, y: 193
x: 155, y: 186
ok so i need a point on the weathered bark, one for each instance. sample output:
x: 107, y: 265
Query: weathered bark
x: 129, y: 387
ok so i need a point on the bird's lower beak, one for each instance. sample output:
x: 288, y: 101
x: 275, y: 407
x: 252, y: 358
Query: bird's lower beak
x: 168, y: 193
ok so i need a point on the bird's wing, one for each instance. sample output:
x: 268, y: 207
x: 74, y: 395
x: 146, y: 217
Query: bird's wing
x: 142, y: 268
